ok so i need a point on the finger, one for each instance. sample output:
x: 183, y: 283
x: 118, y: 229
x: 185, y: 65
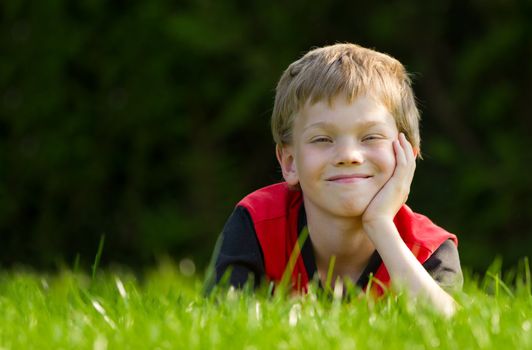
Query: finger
x: 407, y: 146
x: 400, y: 156
x: 405, y: 156
x: 409, y: 153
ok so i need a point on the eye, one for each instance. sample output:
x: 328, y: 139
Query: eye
x: 372, y: 137
x: 321, y: 139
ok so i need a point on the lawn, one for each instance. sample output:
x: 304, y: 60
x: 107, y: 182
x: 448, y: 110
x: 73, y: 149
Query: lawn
x: 164, y: 309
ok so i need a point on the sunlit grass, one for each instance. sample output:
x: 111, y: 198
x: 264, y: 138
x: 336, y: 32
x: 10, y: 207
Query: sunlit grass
x: 166, y: 309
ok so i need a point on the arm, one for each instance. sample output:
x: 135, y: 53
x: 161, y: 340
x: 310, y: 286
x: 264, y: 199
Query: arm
x: 404, y: 269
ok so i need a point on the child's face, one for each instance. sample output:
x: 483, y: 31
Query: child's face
x: 341, y: 155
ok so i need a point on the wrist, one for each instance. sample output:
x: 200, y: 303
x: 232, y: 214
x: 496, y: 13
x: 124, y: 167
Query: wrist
x: 380, y: 229
x: 376, y: 221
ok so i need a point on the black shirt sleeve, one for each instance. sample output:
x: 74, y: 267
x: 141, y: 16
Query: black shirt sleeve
x: 239, y: 253
x: 444, y: 267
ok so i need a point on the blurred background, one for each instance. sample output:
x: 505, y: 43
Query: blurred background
x: 147, y: 121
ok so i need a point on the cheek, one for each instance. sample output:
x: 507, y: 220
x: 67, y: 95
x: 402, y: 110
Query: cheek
x: 386, y: 160
x: 390, y: 163
x: 308, y: 163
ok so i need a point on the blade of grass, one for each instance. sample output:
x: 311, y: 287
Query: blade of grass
x: 283, y: 285
x: 528, y: 282
x: 494, y: 268
x: 330, y: 270
x: 75, y: 269
x: 500, y: 283
x: 373, y: 279
x: 210, y: 275
x: 98, y: 256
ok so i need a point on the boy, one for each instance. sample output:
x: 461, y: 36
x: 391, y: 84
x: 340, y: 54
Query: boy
x: 346, y: 130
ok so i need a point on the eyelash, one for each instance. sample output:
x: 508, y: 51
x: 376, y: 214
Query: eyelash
x: 321, y: 139
x: 372, y: 137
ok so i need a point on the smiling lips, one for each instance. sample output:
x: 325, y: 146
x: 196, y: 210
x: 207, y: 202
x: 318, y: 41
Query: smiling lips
x: 348, y: 178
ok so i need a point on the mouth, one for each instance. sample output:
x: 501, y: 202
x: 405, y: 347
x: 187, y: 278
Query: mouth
x: 348, y: 178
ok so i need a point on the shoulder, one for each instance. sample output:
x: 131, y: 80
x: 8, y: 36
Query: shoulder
x: 270, y: 201
x: 238, y: 231
x: 418, y: 230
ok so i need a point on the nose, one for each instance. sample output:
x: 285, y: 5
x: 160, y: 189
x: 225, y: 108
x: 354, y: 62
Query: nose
x: 348, y: 152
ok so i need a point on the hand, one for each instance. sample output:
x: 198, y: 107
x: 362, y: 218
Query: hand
x: 394, y: 193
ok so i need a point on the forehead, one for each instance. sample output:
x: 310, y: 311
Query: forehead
x: 339, y: 112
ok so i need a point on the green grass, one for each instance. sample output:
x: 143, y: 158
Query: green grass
x: 166, y: 310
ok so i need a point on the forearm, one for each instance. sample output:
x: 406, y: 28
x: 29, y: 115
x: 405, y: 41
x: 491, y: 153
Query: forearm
x: 404, y: 269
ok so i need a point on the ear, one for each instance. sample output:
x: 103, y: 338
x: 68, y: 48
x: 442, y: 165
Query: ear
x: 416, y: 152
x: 285, y: 157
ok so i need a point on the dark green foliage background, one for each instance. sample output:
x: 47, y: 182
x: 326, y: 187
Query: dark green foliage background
x: 148, y: 120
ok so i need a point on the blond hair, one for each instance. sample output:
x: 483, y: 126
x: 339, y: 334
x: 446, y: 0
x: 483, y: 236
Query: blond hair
x: 327, y: 72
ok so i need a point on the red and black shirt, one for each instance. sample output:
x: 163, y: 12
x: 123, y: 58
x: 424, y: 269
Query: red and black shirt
x: 252, y: 243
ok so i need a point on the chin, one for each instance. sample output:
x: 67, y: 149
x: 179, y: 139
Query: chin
x: 353, y: 204
x: 353, y: 209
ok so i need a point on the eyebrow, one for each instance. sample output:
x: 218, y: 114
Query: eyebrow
x: 327, y: 125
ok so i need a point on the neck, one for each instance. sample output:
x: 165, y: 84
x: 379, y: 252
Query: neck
x: 342, y: 237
